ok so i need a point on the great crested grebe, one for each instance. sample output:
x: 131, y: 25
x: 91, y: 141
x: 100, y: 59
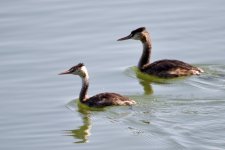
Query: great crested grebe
x: 99, y: 100
x: 163, y: 68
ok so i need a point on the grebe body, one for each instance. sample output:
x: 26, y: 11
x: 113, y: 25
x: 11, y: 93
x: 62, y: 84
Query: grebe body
x: 99, y: 100
x: 163, y: 68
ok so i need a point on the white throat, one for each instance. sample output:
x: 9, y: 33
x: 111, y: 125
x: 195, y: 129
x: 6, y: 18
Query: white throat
x: 84, y: 73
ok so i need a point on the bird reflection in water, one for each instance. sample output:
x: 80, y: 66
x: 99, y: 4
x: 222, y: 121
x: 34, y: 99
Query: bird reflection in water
x: 146, y: 81
x: 147, y: 87
x: 83, y: 132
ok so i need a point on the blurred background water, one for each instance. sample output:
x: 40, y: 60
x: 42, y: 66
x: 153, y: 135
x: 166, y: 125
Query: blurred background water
x: 41, y: 38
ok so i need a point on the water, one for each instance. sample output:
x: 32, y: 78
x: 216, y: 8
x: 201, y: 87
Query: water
x: 41, y: 38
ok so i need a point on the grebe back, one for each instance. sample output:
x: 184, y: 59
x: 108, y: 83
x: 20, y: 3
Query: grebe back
x: 163, y: 68
x: 99, y: 100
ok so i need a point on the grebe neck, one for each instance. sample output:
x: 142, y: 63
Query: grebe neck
x: 146, y: 53
x: 83, y: 93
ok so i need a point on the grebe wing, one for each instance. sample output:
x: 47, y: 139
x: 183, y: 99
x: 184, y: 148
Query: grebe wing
x: 108, y: 99
x: 166, y: 64
x: 170, y: 68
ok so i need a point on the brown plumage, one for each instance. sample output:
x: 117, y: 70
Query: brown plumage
x: 170, y: 68
x: 99, y: 100
x: 163, y: 68
x: 108, y: 99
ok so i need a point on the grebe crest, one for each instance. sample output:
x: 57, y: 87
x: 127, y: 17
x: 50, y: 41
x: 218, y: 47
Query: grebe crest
x: 138, y: 34
x: 78, y: 69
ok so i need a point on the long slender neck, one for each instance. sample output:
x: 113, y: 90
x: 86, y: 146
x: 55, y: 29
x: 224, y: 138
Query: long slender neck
x: 145, y: 57
x: 83, y: 93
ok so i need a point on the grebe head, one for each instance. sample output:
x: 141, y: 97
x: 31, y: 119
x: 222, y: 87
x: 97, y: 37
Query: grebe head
x: 138, y: 34
x: 79, y: 69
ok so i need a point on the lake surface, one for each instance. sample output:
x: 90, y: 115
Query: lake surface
x: 40, y: 39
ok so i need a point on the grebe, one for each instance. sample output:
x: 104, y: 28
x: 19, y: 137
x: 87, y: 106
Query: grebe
x: 99, y: 100
x: 162, y: 68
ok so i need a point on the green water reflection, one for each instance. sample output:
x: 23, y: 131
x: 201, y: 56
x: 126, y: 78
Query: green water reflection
x: 83, y: 132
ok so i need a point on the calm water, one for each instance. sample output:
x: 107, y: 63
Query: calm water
x: 41, y: 38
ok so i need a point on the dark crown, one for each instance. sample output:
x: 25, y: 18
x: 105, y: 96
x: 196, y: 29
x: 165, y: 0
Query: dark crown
x: 141, y: 29
x: 78, y: 66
